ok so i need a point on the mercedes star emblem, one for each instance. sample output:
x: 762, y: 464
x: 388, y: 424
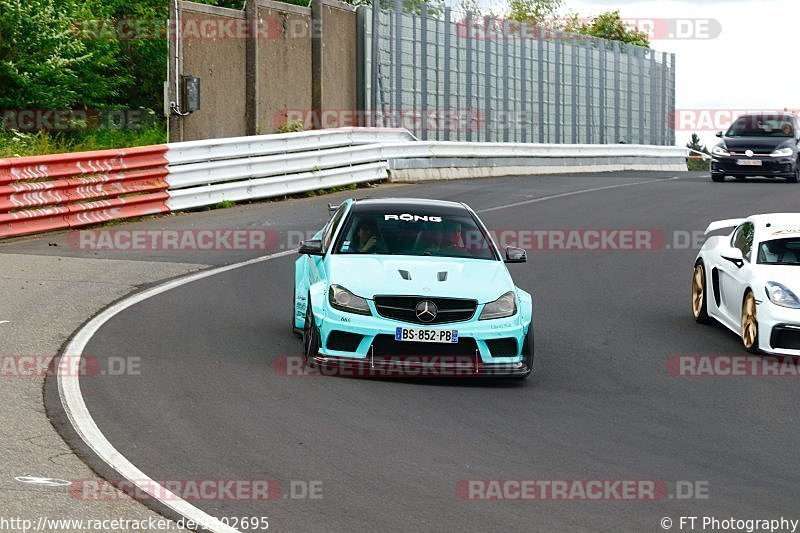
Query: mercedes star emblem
x: 426, y: 311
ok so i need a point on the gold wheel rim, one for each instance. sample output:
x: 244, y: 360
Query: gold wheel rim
x: 749, y: 322
x: 697, y: 291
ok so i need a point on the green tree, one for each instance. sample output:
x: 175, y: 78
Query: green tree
x: 143, y: 57
x: 609, y: 25
x: 695, y: 144
x: 45, y: 64
x: 537, y: 12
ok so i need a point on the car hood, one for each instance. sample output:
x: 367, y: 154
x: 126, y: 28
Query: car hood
x: 367, y: 275
x: 757, y: 144
x: 786, y: 275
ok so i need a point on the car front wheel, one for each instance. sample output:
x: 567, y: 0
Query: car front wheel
x: 749, y: 323
x: 699, y: 302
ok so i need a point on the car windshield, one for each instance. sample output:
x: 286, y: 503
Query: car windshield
x: 761, y: 126
x: 780, y: 252
x: 399, y: 233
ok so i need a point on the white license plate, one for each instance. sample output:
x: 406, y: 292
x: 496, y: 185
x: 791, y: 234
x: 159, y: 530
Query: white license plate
x: 748, y: 162
x: 445, y: 336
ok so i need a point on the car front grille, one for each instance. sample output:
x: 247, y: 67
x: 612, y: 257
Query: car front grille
x: 404, y: 308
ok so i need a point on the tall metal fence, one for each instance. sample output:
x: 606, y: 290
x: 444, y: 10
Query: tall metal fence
x: 447, y: 75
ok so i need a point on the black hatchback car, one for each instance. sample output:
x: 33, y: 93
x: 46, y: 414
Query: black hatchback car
x: 758, y: 145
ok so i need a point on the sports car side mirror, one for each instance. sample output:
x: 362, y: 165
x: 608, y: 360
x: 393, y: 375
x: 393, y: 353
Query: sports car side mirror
x: 516, y: 255
x: 734, y: 255
x: 719, y: 134
x: 311, y: 247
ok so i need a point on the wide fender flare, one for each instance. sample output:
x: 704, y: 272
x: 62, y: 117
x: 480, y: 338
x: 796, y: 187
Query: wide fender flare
x: 318, y: 292
x: 526, y: 307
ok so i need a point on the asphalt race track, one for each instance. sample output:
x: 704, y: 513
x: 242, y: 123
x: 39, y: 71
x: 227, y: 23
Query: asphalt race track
x: 389, y: 453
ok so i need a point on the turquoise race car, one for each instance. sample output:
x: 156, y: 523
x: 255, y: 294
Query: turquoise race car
x: 410, y: 287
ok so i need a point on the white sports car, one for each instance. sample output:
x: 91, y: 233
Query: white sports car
x: 749, y: 280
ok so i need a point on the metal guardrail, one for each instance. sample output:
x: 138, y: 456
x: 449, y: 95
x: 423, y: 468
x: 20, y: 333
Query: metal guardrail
x: 43, y: 193
x: 69, y: 190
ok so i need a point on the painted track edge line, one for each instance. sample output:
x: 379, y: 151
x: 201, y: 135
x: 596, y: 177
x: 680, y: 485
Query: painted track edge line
x: 574, y: 193
x: 78, y: 414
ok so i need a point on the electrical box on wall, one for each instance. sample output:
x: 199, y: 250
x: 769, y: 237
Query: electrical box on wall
x: 190, y: 94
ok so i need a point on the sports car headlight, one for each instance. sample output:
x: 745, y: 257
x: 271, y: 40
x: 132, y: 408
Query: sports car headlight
x: 781, y: 295
x: 782, y: 152
x: 720, y: 150
x: 504, y: 306
x: 344, y: 300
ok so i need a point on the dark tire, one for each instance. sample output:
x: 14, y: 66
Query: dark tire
x: 794, y: 179
x: 717, y: 178
x: 749, y: 323
x: 527, y: 353
x: 310, y: 334
x: 700, y: 294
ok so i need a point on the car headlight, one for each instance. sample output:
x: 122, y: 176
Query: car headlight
x: 782, y: 152
x: 720, y: 150
x: 504, y: 306
x: 344, y: 300
x: 781, y: 295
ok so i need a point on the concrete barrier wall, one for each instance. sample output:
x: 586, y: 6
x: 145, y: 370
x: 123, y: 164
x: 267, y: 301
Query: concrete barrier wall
x: 220, y: 64
x: 283, y: 72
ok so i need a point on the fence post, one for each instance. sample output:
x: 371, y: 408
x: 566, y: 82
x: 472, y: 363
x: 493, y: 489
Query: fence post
x: 523, y: 80
x: 398, y: 64
x: 617, y: 46
x: 375, y: 52
x: 602, y: 85
x: 468, y: 81
x: 487, y: 88
x: 446, y: 67
x: 423, y: 46
x: 505, y: 119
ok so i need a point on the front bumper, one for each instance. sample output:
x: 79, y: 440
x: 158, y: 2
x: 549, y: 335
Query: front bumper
x: 366, y: 345
x: 779, y: 329
x: 782, y: 167
x: 416, y: 366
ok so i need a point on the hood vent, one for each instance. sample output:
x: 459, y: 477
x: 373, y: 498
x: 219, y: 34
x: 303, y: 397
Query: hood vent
x: 442, y: 276
x: 405, y: 275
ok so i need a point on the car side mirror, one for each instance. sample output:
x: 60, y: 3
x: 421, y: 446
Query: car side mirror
x: 719, y: 134
x: 516, y: 255
x: 734, y: 255
x: 311, y: 247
